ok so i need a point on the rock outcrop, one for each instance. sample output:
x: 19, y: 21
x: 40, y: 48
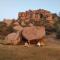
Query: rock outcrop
x: 31, y: 25
x: 32, y: 16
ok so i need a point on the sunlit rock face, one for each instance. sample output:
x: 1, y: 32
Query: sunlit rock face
x: 17, y: 26
x: 35, y: 16
x: 34, y: 33
x: 12, y: 38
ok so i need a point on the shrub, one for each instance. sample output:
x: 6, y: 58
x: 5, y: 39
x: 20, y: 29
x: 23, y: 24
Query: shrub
x: 57, y: 28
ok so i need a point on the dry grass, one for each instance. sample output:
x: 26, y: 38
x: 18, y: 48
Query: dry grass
x: 31, y: 53
x: 19, y: 52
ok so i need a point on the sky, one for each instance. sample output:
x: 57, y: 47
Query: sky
x: 9, y: 8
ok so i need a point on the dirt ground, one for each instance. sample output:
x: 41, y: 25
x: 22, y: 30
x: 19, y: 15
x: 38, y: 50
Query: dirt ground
x: 49, y: 52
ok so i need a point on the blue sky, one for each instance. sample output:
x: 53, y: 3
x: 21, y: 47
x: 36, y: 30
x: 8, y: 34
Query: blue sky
x: 10, y: 8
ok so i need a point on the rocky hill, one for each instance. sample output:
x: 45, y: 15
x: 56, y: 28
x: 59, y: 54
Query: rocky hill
x: 31, y: 17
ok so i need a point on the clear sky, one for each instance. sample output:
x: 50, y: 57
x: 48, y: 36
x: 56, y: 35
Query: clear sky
x: 10, y: 8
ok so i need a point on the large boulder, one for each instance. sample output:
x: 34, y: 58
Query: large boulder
x: 34, y: 33
x: 13, y: 38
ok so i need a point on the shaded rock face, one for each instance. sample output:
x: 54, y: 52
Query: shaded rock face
x: 13, y: 38
x: 34, y: 33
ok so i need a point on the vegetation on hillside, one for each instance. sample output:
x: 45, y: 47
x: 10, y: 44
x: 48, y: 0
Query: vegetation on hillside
x: 57, y: 28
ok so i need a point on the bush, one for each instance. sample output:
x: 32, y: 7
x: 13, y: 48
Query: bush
x: 57, y: 28
x: 10, y: 29
x: 58, y: 31
x: 4, y: 30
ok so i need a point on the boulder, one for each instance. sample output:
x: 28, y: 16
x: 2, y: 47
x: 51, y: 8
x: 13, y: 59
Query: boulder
x: 34, y: 33
x: 13, y: 38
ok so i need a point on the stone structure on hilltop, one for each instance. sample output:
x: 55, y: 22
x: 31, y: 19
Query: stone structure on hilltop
x: 35, y: 16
